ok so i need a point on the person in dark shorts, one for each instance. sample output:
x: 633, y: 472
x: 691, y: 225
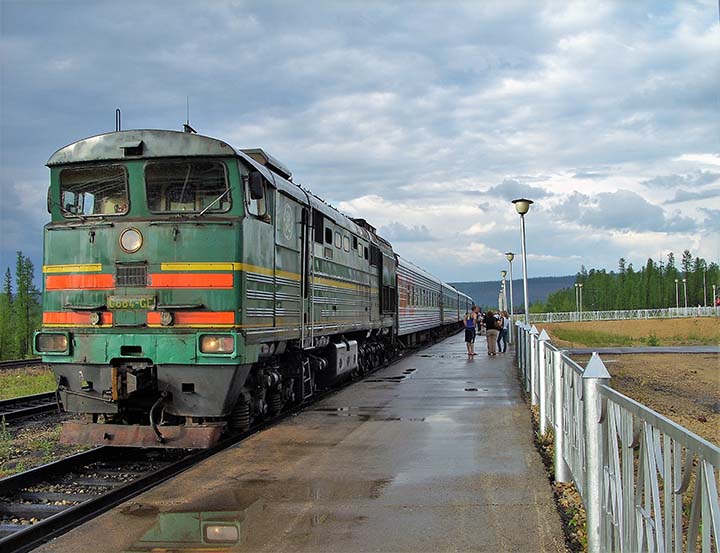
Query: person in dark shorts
x: 470, y: 326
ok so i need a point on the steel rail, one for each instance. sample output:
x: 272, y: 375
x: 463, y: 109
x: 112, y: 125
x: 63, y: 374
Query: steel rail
x: 26, y: 406
x: 19, y: 363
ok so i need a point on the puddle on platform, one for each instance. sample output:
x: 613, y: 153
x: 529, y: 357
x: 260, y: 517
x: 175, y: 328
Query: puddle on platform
x: 394, y: 378
x: 191, y: 528
x: 372, y: 415
x: 365, y: 417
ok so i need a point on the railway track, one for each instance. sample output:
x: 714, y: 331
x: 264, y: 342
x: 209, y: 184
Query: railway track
x: 27, y: 406
x: 45, y: 502
x: 19, y: 363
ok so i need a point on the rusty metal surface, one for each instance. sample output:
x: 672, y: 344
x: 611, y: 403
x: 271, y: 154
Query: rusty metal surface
x: 432, y: 454
x: 77, y: 432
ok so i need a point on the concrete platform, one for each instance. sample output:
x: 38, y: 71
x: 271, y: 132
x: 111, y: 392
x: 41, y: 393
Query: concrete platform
x: 432, y: 454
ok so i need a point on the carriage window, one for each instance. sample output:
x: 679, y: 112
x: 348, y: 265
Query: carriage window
x: 187, y: 187
x: 338, y: 240
x: 93, y: 191
x: 328, y: 236
x: 346, y: 243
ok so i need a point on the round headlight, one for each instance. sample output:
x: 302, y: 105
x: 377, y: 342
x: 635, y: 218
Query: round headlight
x: 166, y: 318
x: 95, y: 318
x: 131, y: 240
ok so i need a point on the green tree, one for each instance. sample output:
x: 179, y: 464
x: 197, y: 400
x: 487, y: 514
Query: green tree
x: 8, y: 348
x: 26, y: 306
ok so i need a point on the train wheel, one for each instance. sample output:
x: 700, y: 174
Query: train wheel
x: 275, y: 402
x: 240, y: 417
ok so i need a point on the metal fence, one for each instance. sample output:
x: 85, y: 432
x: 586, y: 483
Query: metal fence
x: 627, y: 314
x: 647, y: 483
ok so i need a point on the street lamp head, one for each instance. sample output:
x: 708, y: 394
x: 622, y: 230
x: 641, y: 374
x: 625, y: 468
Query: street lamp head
x: 510, y: 256
x: 684, y: 280
x: 676, y: 281
x: 503, y: 273
x: 580, y: 285
x: 522, y: 205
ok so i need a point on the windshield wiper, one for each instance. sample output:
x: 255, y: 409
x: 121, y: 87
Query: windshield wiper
x: 216, y: 200
x: 66, y: 211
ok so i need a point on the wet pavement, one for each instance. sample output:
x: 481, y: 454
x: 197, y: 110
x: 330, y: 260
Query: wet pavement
x: 432, y: 454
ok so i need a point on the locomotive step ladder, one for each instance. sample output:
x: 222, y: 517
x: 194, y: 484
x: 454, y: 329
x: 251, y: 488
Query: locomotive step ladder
x: 306, y: 380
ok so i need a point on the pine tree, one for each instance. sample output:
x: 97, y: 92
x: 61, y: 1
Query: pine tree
x: 26, y: 308
x: 7, y: 331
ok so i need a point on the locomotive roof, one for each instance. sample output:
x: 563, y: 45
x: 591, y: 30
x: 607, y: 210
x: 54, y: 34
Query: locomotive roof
x: 156, y: 143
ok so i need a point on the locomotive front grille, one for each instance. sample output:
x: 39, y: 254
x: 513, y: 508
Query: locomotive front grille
x: 131, y: 275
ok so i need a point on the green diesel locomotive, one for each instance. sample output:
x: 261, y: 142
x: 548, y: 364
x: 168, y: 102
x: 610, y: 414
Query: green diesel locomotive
x: 191, y: 287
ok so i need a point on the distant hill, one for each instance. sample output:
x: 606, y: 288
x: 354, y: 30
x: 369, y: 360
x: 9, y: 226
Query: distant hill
x: 486, y: 293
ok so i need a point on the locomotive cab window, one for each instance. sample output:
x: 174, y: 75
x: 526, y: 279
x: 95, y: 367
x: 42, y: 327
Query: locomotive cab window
x: 186, y: 187
x: 100, y: 190
x: 256, y: 196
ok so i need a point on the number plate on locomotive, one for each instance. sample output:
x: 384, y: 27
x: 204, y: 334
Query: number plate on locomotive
x: 131, y: 302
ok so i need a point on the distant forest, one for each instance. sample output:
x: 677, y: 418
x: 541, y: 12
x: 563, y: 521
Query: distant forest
x: 650, y: 287
x: 20, y: 310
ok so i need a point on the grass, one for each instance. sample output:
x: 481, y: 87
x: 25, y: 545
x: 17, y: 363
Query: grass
x: 592, y: 338
x: 25, y: 382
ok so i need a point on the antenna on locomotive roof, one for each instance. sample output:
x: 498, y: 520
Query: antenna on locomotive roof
x: 118, y: 117
x: 186, y: 125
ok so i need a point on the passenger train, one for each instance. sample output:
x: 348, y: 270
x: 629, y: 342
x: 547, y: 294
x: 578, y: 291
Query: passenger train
x: 191, y: 288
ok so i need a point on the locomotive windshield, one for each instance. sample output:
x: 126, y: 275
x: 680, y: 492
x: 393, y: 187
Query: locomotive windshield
x: 186, y: 187
x: 98, y: 190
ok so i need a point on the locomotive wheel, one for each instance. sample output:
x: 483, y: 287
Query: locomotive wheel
x: 240, y: 417
x: 275, y: 402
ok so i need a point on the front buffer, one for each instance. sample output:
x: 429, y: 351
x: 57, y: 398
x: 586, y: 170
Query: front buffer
x: 133, y: 400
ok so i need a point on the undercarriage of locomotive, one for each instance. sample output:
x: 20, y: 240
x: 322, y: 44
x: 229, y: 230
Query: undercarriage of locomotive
x: 295, y: 377
x: 140, y: 404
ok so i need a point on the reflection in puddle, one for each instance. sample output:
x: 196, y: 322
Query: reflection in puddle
x: 361, y: 413
x: 198, y: 531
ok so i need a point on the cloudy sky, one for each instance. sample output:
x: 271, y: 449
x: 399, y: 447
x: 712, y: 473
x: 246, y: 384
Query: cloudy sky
x: 424, y: 117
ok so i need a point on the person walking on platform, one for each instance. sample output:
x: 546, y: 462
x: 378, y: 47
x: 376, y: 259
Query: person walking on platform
x: 491, y: 332
x: 471, y: 322
x: 502, y: 340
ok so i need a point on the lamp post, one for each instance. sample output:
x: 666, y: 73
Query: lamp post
x: 677, y: 295
x: 705, y: 287
x: 580, y: 286
x: 685, y: 291
x: 577, y: 300
x: 522, y: 206
x: 504, y: 291
x: 510, y: 256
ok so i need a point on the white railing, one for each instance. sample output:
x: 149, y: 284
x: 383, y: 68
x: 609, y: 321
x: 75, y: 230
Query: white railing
x: 620, y: 315
x: 637, y: 471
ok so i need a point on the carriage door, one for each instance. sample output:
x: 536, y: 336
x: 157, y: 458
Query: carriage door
x: 288, y: 308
